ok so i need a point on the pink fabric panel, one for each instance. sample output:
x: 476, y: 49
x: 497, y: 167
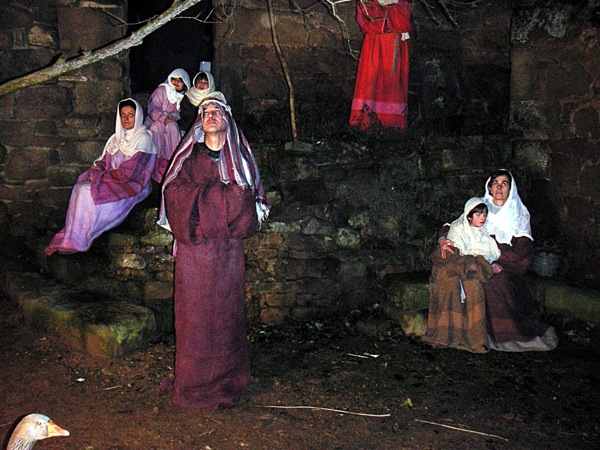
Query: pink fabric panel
x: 86, y: 221
x: 104, y: 202
x: 166, y: 136
x: 126, y: 177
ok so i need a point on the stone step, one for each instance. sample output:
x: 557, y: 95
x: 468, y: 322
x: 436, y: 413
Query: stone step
x: 88, y: 321
x: 408, y: 299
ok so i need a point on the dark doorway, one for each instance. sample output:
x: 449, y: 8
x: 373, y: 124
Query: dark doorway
x: 181, y: 43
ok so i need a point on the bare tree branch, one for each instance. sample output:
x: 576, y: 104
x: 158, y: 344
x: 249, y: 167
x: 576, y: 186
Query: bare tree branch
x: 286, y: 72
x: 63, y: 65
x: 333, y: 4
x: 429, y: 12
x: 444, y: 8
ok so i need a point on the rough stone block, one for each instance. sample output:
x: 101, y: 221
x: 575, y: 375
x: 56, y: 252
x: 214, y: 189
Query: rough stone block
x: 5, y: 40
x: 42, y: 36
x: 54, y: 198
x: 163, y: 314
x: 278, y: 300
x: 18, y: 62
x: 87, y: 28
x: 74, y: 269
x: 24, y: 218
x: 159, y: 238
x: 105, y: 329
x: 36, y: 185
x: 302, y: 313
x: 16, y: 133
x: 113, y: 68
x: 162, y: 263
x: 95, y: 97
x: 413, y: 323
x: 62, y: 176
x: 7, y: 104
x: 120, y: 240
x: 13, y: 193
x: 264, y: 240
x: 130, y: 261
x: 274, y: 316
x: 583, y: 304
x: 14, y: 16
x: 256, y: 31
x: 587, y: 123
x: 156, y: 290
x: 405, y: 293
x: 44, y: 102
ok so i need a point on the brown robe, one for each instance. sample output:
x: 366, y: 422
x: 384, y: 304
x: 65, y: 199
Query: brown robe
x: 452, y: 323
x: 513, y: 314
x: 209, y: 221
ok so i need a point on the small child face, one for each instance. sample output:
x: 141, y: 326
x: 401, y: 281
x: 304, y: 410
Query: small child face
x: 478, y: 219
x: 178, y: 83
x: 201, y: 83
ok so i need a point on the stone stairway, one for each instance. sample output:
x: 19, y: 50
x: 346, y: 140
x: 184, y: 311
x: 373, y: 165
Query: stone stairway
x: 107, y: 302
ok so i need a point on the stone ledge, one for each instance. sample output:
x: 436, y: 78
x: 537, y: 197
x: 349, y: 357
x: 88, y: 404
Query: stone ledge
x: 408, y: 297
x: 573, y: 302
x: 102, y: 327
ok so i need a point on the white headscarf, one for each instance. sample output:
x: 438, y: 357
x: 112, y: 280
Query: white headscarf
x: 129, y: 142
x: 472, y: 240
x: 509, y: 220
x: 172, y: 94
x: 197, y: 95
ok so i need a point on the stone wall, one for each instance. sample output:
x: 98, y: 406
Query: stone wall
x: 51, y: 132
x: 459, y: 78
x: 346, y: 218
x: 555, y: 120
x: 320, y: 54
x: 349, y: 211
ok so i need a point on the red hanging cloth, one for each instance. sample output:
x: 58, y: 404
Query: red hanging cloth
x: 381, y: 89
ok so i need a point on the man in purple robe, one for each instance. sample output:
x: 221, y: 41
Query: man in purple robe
x: 212, y: 199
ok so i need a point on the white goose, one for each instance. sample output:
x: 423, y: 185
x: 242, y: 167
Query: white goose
x: 31, y: 429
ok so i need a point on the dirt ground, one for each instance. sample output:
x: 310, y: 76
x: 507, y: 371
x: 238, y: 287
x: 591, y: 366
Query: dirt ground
x: 404, y: 395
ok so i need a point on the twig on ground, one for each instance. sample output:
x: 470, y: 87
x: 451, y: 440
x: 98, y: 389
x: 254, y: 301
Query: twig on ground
x: 324, y: 409
x: 461, y: 429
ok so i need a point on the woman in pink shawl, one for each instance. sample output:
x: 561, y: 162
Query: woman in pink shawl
x: 212, y: 199
x: 108, y: 191
x: 163, y: 113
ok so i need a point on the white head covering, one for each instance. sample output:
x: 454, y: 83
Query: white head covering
x: 172, y: 94
x: 509, y: 220
x: 197, y: 95
x: 472, y: 240
x: 129, y: 142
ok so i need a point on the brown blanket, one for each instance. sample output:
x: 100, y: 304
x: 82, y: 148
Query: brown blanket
x: 452, y: 322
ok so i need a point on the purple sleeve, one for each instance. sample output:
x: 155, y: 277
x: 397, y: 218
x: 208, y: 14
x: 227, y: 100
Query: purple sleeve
x: 231, y: 212
x: 158, y: 105
x: 181, y: 195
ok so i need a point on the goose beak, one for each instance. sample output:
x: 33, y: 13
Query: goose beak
x: 54, y: 430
